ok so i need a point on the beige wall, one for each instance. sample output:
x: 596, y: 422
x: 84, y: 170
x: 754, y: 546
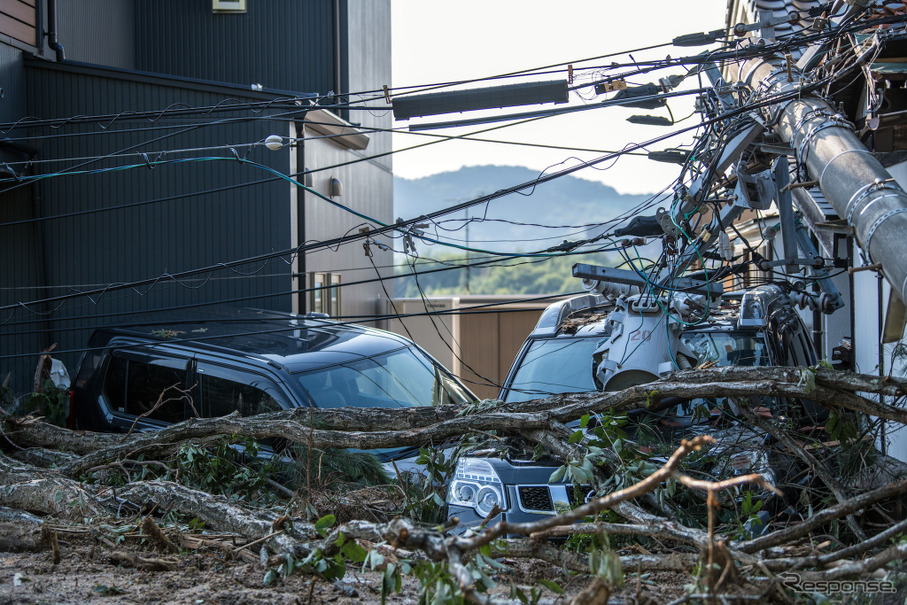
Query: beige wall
x: 476, y: 345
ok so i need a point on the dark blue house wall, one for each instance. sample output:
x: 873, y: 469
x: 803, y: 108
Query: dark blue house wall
x: 133, y: 224
x: 115, y: 224
x: 280, y: 44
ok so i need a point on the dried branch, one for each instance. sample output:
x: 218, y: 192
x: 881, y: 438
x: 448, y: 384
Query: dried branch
x: 541, y: 421
x: 545, y: 551
x: 589, y: 508
x: 183, y: 396
x: 789, y: 534
x: 817, y: 465
x: 365, y: 428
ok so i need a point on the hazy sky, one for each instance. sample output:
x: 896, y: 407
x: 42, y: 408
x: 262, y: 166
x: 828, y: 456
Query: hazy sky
x: 444, y: 41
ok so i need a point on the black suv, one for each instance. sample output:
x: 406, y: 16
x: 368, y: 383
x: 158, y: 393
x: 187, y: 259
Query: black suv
x: 589, y: 343
x: 251, y: 362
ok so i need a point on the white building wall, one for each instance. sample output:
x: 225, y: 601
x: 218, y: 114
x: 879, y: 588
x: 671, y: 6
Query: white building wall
x: 869, y: 290
x: 367, y: 189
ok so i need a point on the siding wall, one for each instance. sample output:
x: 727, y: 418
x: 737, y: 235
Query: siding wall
x: 281, y: 44
x: 88, y: 231
x: 138, y: 224
x: 17, y: 20
x: 21, y: 279
x: 98, y: 31
x: 12, y: 81
x: 369, y: 52
x: 367, y: 184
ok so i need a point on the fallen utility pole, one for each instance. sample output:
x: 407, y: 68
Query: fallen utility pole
x: 854, y: 182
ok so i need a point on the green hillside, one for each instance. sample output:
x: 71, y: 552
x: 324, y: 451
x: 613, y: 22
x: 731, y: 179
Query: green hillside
x: 565, y: 202
x: 515, y: 223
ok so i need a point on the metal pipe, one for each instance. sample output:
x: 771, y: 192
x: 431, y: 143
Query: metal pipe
x: 856, y: 184
x: 52, y: 30
x: 338, y: 72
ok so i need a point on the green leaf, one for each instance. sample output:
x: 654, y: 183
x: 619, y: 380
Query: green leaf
x: 556, y: 475
x: 576, y: 437
x: 807, y: 380
x: 552, y: 586
x: 270, y: 577
x: 324, y: 523
x: 832, y: 425
x: 352, y: 551
x: 581, y: 475
x: 375, y: 559
x: 516, y: 593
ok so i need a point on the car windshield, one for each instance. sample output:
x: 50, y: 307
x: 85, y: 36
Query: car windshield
x: 552, y: 366
x: 564, y: 365
x: 728, y: 348
x: 399, y: 379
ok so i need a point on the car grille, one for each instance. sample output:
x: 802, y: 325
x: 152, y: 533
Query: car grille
x: 583, y: 493
x: 535, y: 498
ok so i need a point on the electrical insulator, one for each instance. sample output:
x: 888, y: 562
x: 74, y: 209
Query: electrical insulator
x: 725, y: 249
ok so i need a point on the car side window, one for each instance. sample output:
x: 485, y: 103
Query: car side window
x: 224, y: 391
x: 153, y: 387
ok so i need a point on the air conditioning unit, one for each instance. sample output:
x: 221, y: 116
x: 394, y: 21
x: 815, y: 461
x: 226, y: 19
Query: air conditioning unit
x: 228, y: 6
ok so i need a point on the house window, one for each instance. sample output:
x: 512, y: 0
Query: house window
x: 324, y: 293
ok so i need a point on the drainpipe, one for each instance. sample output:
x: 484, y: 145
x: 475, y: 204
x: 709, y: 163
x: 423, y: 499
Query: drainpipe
x: 302, y: 282
x: 337, y: 52
x: 52, y: 30
x: 856, y: 184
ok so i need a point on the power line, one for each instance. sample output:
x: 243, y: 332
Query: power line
x: 401, y: 226
x: 485, y: 201
x: 347, y: 320
x: 489, y: 262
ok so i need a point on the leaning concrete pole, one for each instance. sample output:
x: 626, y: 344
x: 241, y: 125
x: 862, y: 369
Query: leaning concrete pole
x: 851, y: 179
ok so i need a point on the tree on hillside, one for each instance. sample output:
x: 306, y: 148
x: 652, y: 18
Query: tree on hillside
x: 534, y: 275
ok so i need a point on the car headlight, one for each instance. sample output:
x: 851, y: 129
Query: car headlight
x: 476, y: 485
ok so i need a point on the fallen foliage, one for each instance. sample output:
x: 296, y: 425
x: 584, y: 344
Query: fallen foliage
x: 844, y: 519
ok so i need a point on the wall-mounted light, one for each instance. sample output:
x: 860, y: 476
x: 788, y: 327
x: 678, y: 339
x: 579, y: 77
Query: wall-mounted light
x: 336, y: 187
x: 308, y: 179
x: 228, y: 6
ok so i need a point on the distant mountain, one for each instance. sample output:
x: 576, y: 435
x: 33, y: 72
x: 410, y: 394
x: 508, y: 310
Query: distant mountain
x: 566, y: 201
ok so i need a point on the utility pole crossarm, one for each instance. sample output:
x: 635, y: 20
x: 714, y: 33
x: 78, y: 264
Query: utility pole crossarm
x: 854, y: 182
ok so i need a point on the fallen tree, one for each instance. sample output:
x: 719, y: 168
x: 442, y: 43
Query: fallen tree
x: 66, y: 476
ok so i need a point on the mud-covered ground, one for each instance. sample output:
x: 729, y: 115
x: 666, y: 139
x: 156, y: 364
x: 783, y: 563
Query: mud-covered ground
x: 89, y: 572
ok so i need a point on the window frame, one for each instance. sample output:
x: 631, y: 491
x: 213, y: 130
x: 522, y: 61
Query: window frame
x: 124, y: 419
x: 206, y: 367
x: 325, y: 293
